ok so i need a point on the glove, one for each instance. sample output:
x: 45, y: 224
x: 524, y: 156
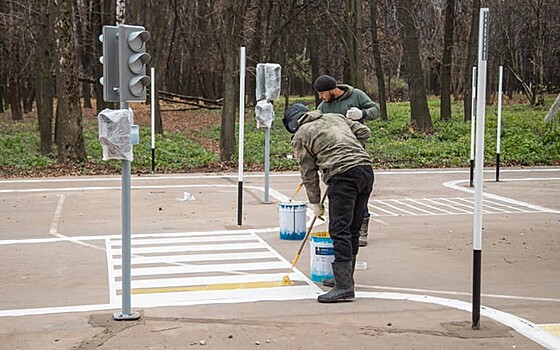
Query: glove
x: 354, y: 114
x: 318, y: 209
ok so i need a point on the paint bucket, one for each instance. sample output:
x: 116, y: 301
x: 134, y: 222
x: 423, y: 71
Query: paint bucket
x: 322, y: 256
x: 292, y: 220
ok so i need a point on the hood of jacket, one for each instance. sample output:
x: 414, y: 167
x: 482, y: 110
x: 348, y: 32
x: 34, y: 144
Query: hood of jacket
x: 309, y: 117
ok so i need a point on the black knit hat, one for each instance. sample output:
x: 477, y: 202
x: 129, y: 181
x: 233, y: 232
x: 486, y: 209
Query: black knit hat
x: 292, y: 115
x: 324, y: 83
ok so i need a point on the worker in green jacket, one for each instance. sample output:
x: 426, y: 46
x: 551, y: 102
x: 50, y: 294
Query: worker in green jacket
x: 354, y: 104
x: 334, y: 145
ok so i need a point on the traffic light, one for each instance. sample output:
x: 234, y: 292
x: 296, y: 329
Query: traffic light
x: 110, y: 62
x: 132, y: 63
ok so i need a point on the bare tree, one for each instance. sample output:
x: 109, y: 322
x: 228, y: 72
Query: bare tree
x: 353, y: 30
x: 419, y: 112
x: 44, y: 84
x: 445, y: 107
x: 69, y: 130
x: 378, y: 62
x: 233, y: 23
x: 470, y: 60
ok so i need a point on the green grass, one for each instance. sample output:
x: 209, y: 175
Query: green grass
x: 526, y: 140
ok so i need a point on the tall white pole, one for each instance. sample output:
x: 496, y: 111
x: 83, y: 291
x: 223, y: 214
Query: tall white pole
x: 473, y: 123
x: 241, y: 135
x: 499, y: 131
x: 153, y: 117
x: 479, y: 155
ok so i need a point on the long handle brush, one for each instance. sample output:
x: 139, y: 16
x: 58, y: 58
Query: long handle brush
x: 286, y: 279
x: 296, y: 192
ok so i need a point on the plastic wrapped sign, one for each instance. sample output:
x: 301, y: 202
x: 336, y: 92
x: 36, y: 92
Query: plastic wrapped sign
x: 264, y: 112
x: 268, y: 81
x: 114, y: 133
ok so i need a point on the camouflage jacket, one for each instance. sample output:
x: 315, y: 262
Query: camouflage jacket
x: 331, y: 143
x: 352, y: 97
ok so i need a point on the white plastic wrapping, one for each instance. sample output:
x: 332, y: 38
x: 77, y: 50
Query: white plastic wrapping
x: 114, y: 133
x: 268, y: 81
x: 264, y: 112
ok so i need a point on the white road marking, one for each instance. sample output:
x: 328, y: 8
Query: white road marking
x: 454, y: 185
x: 522, y: 326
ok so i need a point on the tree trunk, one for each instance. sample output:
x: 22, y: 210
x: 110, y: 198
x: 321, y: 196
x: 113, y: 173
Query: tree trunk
x: 377, y: 60
x: 445, y: 107
x: 69, y: 130
x: 44, y: 84
x: 233, y: 23
x: 420, y: 114
x: 471, y: 60
x: 15, y: 99
x: 354, y: 72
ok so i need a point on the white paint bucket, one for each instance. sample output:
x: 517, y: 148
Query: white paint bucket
x: 322, y: 256
x: 292, y: 220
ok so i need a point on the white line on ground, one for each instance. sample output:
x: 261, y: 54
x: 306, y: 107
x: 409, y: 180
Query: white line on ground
x: 454, y: 185
x: 287, y: 174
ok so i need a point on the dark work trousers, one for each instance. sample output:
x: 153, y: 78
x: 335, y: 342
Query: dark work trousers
x: 348, y: 202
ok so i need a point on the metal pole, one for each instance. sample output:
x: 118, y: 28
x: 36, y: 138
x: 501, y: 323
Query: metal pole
x: 153, y: 115
x: 126, y: 313
x: 241, y: 135
x: 499, y: 131
x: 478, y: 194
x: 266, y: 165
x: 473, y: 123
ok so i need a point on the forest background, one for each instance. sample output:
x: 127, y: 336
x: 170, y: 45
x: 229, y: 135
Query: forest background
x: 414, y: 58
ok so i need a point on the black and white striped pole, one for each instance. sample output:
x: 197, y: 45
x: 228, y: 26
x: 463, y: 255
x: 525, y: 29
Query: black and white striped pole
x: 479, y: 154
x: 473, y: 123
x: 241, y: 135
x: 153, y: 118
x: 499, y: 131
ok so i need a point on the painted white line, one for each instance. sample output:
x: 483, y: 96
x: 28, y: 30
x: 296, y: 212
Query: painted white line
x: 287, y: 174
x: 213, y: 238
x: 489, y: 209
x: 55, y: 310
x: 419, y: 202
x: 197, y: 258
x: 381, y: 209
x: 448, y: 292
x: 384, y: 202
x: 520, y: 325
x: 445, y: 205
x: 169, y: 270
x: 457, y: 204
x: 454, y: 185
x: 110, y: 274
x: 191, y: 248
x: 412, y: 206
x: 56, y: 217
x: 515, y: 209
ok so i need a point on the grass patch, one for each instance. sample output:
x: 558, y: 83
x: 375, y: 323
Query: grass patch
x: 526, y: 140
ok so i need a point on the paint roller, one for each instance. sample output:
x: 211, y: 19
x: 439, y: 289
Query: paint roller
x: 286, y: 279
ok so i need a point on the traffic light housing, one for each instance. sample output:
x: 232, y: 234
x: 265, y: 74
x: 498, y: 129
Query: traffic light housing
x: 110, y: 62
x: 132, y: 59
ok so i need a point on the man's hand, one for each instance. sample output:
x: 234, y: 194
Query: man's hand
x: 354, y: 114
x: 318, y: 209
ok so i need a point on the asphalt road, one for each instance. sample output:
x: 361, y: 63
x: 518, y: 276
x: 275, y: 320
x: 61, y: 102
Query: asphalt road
x: 196, y: 273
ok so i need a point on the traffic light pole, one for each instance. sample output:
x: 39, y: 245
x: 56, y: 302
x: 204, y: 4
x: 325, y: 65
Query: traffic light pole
x: 126, y: 313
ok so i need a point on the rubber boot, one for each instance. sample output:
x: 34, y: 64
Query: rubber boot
x: 343, y: 284
x: 330, y: 282
x: 364, y: 232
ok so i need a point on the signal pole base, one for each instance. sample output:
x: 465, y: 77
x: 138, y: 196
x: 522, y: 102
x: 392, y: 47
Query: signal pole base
x: 119, y: 316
